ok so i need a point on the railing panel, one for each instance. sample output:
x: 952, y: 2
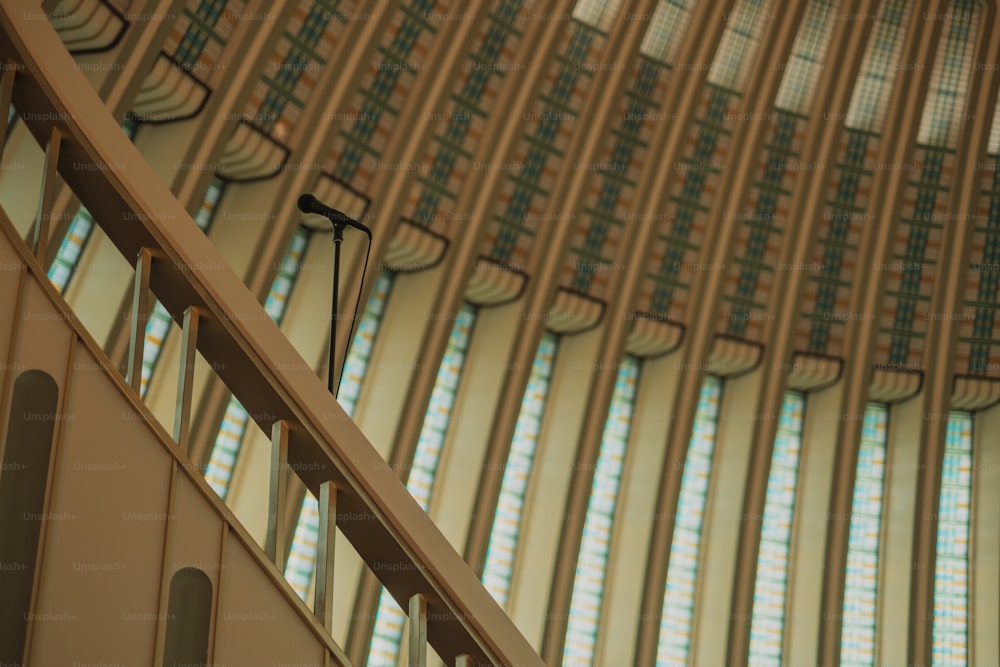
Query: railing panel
x: 375, y: 512
x: 247, y: 607
x: 125, y: 510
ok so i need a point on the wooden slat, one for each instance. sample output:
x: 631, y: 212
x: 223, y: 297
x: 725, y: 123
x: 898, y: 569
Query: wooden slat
x: 275, y: 541
x: 40, y: 238
x: 418, y: 631
x: 141, y: 303
x: 6, y: 93
x: 325, y: 556
x: 185, y: 380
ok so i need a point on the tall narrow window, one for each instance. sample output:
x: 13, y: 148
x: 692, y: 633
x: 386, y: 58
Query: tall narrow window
x: 302, y: 557
x: 879, y: 67
x: 946, y: 99
x: 808, y: 57
x: 768, y: 615
x: 666, y: 28
x: 507, y: 522
x: 740, y: 41
x: 951, y: 567
x: 598, y: 14
x: 234, y: 423
x: 592, y: 562
x: 159, y: 320
x: 857, y: 639
x: 682, y: 573
x: 72, y: 245
x: 384, y: 651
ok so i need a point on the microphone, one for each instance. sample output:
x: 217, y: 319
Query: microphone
x: 309, y: 204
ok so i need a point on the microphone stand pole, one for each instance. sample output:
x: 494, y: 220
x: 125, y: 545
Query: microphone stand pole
x: 338, y: 238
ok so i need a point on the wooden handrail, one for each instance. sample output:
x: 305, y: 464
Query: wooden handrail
x: 389, y: 530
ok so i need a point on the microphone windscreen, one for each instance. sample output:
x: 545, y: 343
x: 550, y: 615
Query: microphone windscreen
x: 307, y: 203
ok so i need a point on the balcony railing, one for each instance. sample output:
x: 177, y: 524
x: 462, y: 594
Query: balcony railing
x: 359, y: 493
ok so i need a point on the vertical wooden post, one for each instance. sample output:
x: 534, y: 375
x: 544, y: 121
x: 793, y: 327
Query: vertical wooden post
x: 6, y: 96
x: 325, y: 557
x: 185, y: 380
x: 418, y: 631
x: 140, y: 315
x: 41, y: 232
x: 274, y: 544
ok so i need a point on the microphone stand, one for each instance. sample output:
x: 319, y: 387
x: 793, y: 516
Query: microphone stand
x: 338, y: 238
x: 308, y: 204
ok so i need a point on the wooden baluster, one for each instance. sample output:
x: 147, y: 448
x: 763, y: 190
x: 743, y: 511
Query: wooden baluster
x: 418, y: 631
x: 41, y: 232
x: 274, y: 543
x: 185, y: 380
x: 6, y: 95
x: 325, y: 556
x: 463, y: 661
x: 141, y: 304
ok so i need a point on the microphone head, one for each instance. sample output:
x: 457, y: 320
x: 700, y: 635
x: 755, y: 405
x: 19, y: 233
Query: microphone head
x: 307, y: 203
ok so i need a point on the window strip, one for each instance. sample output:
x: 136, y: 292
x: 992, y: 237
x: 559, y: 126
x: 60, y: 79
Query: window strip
x: 945, y: 105
x: 592, y: 562
x: 879, y: 67
x: 682, y: 572
x: 500, y: 554
x: 857, y: 640
x: 768, y: 613
x: 950, y: 626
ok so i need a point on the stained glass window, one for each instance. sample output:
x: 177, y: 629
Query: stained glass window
x: 740, y: 41
x: 592, y: 562
x: 682, y: 572
x: 798, y: 84
x: 599, y: 14
x: 946, y: 98
x: 951, y: 567
x: 667, y: 27
x: 857, y: 639
x: 768, y: 615
x: 507, y: 522
x: 879, y: 67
